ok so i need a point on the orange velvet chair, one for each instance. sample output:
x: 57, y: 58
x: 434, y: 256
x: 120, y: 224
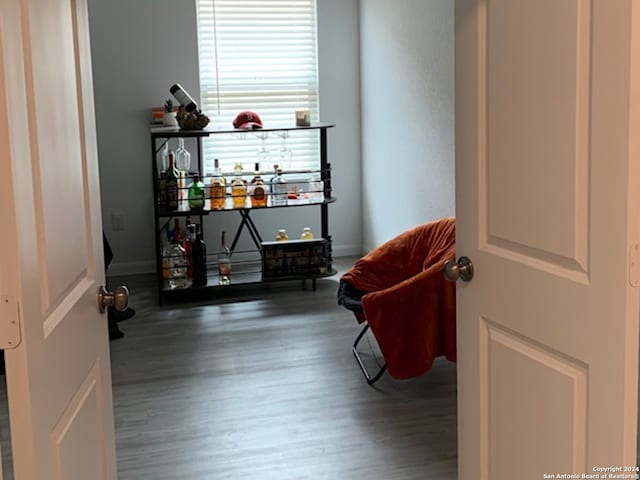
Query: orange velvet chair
x: 398, y: 290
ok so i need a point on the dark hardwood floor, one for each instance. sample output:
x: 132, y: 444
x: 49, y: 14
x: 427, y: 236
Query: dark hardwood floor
x: 263, y: 385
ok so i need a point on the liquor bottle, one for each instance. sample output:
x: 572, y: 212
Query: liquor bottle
x: 238, y: 188
x: 275, y: 173
x: 165, y: 242
x: 218, y: 187
x: 178, y: 234
x: 306, y: 234
x: 171, y: 184
x: 184, y: 98
x: 162, y: 192
x: 316, y: 189
x: 278, y: 188
x: 189, y: 238
x: 199, y: 259
x: 196, y: 193
x: 224, y: 262
x: 257, y: 189
x: 178, y: 267
x: 177, y: 260
x: 166, y: 262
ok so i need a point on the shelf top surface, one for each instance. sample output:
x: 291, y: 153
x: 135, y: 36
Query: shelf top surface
x: 206, y: 211
x: 164, y: 132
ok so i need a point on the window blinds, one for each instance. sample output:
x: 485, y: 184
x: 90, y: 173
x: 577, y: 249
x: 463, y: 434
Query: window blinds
x: 258, y: 55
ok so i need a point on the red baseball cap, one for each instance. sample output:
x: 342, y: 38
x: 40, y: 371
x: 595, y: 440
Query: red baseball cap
x: 247, y: 120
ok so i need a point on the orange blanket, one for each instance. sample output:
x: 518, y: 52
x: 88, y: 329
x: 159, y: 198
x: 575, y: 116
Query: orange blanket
x: 410, y: 306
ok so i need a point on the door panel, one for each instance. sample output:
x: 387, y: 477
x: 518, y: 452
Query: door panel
x: 55, y: 95
x: 547, y: 210
x: 537, y: 206
x: 58, y: 378
x: 538, y: 380
x: 76, y: 428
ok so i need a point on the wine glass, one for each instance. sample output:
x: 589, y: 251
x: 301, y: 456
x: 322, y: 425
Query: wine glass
x: 183, y: 157
x: 263, y: 155
x: 183, y: 163
x: 163, y: 160
x: 286, y: 155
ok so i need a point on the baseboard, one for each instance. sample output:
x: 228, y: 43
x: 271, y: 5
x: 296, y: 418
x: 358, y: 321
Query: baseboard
x: 346, y: 250
x: 117, y: 269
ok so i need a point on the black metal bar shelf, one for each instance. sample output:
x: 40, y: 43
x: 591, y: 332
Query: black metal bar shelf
x: 176, y: 132
x: 186, y: 211
x: 244, y: 272
x: 247, y: 278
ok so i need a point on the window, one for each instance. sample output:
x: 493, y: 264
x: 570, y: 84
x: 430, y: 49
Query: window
x: 258, y: 55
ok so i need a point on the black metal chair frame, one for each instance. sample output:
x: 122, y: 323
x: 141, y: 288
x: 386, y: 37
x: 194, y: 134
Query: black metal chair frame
x: 370, y: 380
x: 351, y: 299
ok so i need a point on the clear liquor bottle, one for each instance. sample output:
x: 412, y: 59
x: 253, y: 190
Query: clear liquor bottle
x: 178, y: 262
x: 316, y: 189
x: 278, y: 188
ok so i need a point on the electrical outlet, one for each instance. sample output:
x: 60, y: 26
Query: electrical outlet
x: 117, y: 221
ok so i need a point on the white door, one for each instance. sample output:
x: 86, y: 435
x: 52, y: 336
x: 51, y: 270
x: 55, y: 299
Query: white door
x: 51, y: 260
x: 547, y: 200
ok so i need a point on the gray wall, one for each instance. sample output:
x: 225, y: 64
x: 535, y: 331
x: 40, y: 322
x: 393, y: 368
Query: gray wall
x: 407, y: 88
x: 142, y: 47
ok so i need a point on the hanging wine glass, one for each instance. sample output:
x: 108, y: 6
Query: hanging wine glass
x: 183, y: 157
x: 263, y: 155
x: 163, y: 158
x: 183, y: 163
x: 286, y: 155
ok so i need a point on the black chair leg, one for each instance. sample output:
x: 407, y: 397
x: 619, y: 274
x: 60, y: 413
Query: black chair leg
x: 370, y: 380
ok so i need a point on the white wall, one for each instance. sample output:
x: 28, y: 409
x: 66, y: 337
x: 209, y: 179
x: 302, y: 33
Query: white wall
x: 407, y: 72
x: 139, y: 49
x: 339, y: 71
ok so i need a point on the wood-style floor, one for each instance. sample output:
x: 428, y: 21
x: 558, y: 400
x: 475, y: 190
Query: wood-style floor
x: 263, y: 385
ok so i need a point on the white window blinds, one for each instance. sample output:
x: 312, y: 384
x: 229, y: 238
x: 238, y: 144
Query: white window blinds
x: 259, y: 55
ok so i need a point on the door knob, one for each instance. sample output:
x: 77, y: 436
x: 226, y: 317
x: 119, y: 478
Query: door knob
x: 462, y: 269
x: 119, y: 299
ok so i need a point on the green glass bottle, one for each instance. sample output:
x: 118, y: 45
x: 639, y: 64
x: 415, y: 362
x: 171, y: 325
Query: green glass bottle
x: 196, y: 194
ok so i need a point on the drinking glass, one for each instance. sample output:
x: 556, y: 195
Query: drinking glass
x: 183, y: 157
x: 183, y: 163
x: 163, y: 160
x: 286, y: 155
x: 263, y: 155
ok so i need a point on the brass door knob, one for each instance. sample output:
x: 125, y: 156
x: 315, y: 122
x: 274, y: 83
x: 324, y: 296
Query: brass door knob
x: 460, y: 270
x: 119, y: 299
